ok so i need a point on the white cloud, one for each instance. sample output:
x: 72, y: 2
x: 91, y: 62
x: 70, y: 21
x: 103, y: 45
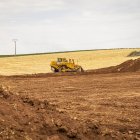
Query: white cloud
x: 21, y: 5
x: 56, y: 25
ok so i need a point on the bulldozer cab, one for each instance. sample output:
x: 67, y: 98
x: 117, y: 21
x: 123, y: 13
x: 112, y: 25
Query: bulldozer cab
x: 62, y: 60
x: 65, y: 60
x: 71, y: 61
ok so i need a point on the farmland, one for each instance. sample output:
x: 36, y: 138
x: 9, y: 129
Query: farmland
x: 40, y: 63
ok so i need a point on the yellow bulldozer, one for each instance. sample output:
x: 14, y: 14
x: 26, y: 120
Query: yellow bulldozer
x: 64, y: 65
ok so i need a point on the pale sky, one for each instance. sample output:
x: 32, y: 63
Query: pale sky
x: 65, y: 25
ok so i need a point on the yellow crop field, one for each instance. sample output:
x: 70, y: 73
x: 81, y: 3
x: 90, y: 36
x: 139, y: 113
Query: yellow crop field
x: 32, y: 64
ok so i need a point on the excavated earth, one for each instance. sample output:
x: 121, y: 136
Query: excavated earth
x: 99, y: 104
x: 127, y: 66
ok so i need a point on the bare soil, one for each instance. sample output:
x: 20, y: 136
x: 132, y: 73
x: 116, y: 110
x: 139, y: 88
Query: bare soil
x: 127, y: 66
x: 83, y: 106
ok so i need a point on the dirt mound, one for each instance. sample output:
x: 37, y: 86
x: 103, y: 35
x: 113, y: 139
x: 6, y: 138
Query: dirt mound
x: 26, y: 118
x: 127, y: 66
x: 134, y: 53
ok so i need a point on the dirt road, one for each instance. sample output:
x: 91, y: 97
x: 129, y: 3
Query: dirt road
x: 110, y: 100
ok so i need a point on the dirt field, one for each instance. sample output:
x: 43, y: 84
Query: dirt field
x: 41, y: 63
x: 98, y: 106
